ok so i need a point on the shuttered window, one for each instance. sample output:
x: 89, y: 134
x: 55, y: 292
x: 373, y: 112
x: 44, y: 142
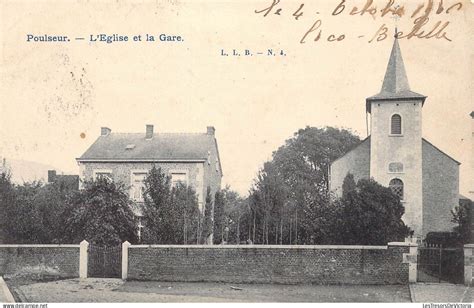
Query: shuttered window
x: 396, y: 125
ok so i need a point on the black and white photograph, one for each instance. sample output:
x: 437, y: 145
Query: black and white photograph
x: 236, y: 151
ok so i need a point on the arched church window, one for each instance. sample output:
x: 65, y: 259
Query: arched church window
x: 396, y: 125
x: 395, y: 167
x: 396, y: 185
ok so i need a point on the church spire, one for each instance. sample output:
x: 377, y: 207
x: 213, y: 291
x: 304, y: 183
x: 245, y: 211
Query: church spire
x: 395, y: 80
x: 395, y: 83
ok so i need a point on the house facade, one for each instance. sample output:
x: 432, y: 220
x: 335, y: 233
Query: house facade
x: 189, y: 158
x: 396, y: 155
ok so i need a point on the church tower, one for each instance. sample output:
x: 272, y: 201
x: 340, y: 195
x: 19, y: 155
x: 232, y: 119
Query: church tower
x: 396, y: 139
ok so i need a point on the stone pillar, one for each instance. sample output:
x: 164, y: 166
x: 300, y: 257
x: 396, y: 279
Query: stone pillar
x: 125, y: 246
x: 83, y: 256
x: 468, y: 262
x: 410, y: 258
x: 413, y: 264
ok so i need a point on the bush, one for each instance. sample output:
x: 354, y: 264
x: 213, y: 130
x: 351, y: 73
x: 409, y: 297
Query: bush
x: 32, y: 213
x: 101, y: 214
x: 368, y: 214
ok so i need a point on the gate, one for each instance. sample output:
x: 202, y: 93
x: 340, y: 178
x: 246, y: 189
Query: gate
x: 104, y: 261
x: 438, y: 264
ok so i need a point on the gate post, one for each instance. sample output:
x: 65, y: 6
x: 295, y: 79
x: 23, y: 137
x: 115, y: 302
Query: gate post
x: 413, y: 264
x: 125, y: 246
x: 83, y: 256
x: 409, y: 258
x: 468, y: 262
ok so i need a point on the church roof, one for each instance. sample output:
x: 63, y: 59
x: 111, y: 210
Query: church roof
x: 439, y: 150
x: 395, y: 83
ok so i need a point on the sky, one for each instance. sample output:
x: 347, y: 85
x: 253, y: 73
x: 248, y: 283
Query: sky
x: 56, y: 96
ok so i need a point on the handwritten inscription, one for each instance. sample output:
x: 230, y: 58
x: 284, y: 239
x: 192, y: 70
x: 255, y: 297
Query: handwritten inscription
x: 422, y: 27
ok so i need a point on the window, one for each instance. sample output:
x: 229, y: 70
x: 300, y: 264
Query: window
x: 396, y: 185
x: 396, y: 125
x: 138, y: 186
x: 395, y: 167
x: 102, y: 174
x: 179, y: 177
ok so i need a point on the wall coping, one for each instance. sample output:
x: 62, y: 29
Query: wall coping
x: 469, y: 246
x: 39, y: 246
x: 404, y: 244
x: 266, y: 246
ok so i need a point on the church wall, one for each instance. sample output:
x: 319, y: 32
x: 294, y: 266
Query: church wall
x: 356, y: 162
x: 440, y: 189
x: 405, y: 148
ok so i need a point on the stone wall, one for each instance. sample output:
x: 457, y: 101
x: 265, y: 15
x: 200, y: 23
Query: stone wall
x: 468, y: 263
x: 356, y: 162
x: 199, y: 174
x: 440, y: 189
x: 270, y: 264
x: 122, y: 172
x: 59, y: 261
x: 405, y: 149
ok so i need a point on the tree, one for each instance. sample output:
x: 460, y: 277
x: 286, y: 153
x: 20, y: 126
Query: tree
x: 303, y: 164
x: 370, y: 214
x: 208, y: 223
x: 157, y: 196
x: 462, y: 216
x: 348, y: 185
x: 171, y: 214
x: 101, y: 214
x: 236, y: 215
x: 7, y: 205
x: 268, y: 198
x: 184, y: 199
x: 219, y: 218
x: 32, y: 212
x: 291, y: 191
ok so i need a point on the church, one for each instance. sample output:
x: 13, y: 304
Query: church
x: 396, y: 155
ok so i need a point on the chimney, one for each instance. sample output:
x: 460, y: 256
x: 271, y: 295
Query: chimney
x: 211, y: 130
x: 51, y: 176
x: 104, y: 131
x: 149, y: 132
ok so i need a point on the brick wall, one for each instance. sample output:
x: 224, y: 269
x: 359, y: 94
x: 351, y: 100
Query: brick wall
x: 270, y: 264
x: 39, y: 260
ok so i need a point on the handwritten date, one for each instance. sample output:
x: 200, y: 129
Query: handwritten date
x: 422, y: 27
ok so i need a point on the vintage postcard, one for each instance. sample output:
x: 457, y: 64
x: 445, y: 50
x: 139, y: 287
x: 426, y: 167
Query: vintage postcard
x: 236, y: 151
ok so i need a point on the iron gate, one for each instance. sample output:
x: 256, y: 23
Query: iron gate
x: 104, y: 261
x: 438, y: 264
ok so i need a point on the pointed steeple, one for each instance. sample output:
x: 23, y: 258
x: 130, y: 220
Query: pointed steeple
x: 395, y: 80
x: 395, y: 83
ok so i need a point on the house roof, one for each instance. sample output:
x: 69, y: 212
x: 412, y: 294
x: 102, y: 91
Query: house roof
x: 162, y: 147
x: 395, y: 83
